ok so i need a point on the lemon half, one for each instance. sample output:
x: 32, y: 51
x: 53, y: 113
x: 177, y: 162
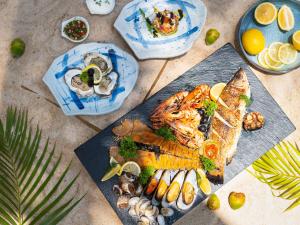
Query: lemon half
x: 265, y: 13
x: 286, y: 20
x: 296, y: 40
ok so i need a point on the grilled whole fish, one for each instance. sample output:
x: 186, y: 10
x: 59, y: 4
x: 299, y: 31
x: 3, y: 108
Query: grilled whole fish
x: 226, y: 123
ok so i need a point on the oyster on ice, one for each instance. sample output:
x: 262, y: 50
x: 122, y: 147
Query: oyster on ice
x: 102, y: 61
x: 107, y: 84
x: 72, y: 78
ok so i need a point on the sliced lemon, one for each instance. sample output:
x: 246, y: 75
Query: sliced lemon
x: 287, y: 54
x: 216, y: 91
x: 97, y: 73
x: 286, y: 20
x: 273, y: 51
x: 261, y: 58
x: 111, y: 172
x: 130, y: 167
x: 296, y: 40
x: 265, y: 13
x: 272, y: 64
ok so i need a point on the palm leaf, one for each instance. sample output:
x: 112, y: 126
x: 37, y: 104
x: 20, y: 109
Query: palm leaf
x: 280, y: 169
x: 23, y: 176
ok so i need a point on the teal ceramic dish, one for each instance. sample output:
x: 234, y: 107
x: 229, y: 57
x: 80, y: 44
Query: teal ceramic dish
x: 271, y: 32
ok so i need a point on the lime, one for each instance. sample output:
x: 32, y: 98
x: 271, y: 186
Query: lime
x: 111, y: 172
x: 130, y: 167
x: 211, y: 36
x: 236, y: 200
x: 287, y: 54
x: 17, y: 48
x: 213, y: 202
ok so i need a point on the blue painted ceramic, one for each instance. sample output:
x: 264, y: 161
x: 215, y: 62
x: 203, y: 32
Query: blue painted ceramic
x: 72, y: 104
x: 132, y: 26
x: 271, y: 32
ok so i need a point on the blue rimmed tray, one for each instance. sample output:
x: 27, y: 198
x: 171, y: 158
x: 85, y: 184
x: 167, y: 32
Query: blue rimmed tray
x: 132, y: 27
x: 271, y: 32
x: 123, y: 64
x: 219, y: 67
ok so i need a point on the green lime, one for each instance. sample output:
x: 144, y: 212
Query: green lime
x: 17, y: 48
x: 211, y: 36
x: 111, y: 172
x: 213, y: 202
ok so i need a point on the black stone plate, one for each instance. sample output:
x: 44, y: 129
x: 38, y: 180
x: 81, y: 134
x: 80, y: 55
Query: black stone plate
x: 219, y: 67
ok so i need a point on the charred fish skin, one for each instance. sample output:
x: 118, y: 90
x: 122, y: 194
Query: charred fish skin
x: 227, y: 122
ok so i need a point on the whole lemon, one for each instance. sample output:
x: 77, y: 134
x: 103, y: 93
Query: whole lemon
x: 253, y: 41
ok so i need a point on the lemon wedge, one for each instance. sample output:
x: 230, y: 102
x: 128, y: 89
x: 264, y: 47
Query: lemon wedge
x: 287, y: 54
x: 111, y: 172
x: 203, y: 182
x: 272, y: 64
x: 261, y: 58
x: 216, y: 91
x: 130, y: 167
x: 265, y: 13
x: 296, y: 40
x: 273, y: 51
x: 286, y: 20
x: 96, y: 73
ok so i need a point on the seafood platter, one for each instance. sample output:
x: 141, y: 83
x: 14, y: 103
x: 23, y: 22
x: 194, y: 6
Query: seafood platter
x: 161, y: 28
x: 164, y: 157
x: 92, y: 79
x: 269, y: 35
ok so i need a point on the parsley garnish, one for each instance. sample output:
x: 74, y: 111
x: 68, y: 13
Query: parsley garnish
x: 246, y: 99
x: 84, y: 77
x: 128, y: 148
x: 146, y: 173
x: 207, y: 163
x: 210, y: 107
x: 166, y: 133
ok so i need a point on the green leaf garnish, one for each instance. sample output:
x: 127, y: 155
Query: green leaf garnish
x: 207, y: 163
x: 148, y: 23
x: 128, y: 148
x: 84, y: 77
x: 246, y: 99
x: 145, y: 174
x: 166, y: 133
x: 210, y: 107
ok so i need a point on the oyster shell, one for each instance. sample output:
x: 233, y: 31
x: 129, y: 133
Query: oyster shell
x: 72, y: 78
x: 128, y: 188
x: 173, y: 191
x: 152, y: 212
x: 102, y: 61
x: 188, y: 192
x: 123, y: 202
x: 166, y: 212
x: 107, y: 84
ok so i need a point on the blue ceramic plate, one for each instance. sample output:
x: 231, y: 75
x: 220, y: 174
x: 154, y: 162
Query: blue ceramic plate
x: 123, y: 64
x: 133, y: 28
x: 271, y: 32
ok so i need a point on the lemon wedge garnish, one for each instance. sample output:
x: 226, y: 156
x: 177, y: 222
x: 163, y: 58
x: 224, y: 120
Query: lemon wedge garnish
x: 296, y: 40
x: 273, y: 51
x: 272, y: 64
x: 286, y: 20
x: 261, y: 58
x: 216, y: 91
x: 287, y: 54
x: 111, y: 172
x: 203, y: 182
x: 130, y: 167
x: 265, y: 13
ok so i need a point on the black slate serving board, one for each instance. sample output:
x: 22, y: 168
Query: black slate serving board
x: 219, y: 67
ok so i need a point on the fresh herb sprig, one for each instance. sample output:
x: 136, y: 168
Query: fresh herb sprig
x: 210, y: 107
x: 246, y: 99
x: 84, y: 77
x: 128, y: 148
x: 166, y: 133
x: 207, y: 163
x: 145, y: 174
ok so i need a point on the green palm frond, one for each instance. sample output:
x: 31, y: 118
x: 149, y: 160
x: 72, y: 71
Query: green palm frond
x: 280, y: 169
x: 23, y: 176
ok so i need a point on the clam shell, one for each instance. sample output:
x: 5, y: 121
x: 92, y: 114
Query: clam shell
x: 152, y: 212
x: 133, y: 201
x: 123, y: 202
x: 132, y: 212
x: 166, y: 212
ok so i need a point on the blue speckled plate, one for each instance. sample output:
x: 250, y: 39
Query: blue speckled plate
x: 72, y: 104
x: 132, y: 26
x: 271, y: 32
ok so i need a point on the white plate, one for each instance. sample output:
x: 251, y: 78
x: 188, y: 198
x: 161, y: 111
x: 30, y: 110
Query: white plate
x: 123, y: 64
x: 132, y: 26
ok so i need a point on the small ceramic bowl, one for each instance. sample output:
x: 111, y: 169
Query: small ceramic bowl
x: 65, y: 22
x: 101, y: 7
